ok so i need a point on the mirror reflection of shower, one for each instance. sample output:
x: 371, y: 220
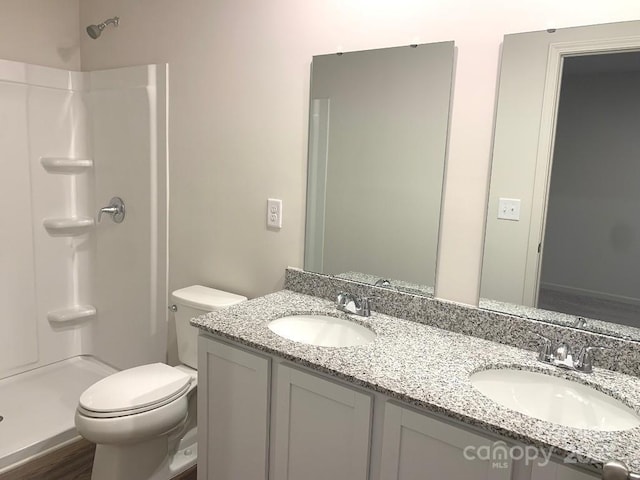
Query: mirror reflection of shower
x: 94, y: 31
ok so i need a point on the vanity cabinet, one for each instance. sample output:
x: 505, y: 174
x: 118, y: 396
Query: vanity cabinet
x: 419, y: 447
x: 233, y: 412
x: 321, y: 429
x: 260, y: 418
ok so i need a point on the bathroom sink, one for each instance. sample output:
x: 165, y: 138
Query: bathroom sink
x: 555, y: 399
x: 322, y: 330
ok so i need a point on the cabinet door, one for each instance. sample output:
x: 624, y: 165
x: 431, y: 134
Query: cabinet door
x: 322, y: 430
x: 419, y: 447
x: 233, y: 412
x: 556, y: 471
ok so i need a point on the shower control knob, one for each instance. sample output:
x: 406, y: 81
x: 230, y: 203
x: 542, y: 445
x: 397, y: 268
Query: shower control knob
x: 115, y: 209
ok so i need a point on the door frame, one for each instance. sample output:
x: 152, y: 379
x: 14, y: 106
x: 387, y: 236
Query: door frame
x: 546, y: 143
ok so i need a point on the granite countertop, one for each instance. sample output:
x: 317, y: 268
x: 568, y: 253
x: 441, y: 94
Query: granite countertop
x: 430, y: 368
x: 558, y: 318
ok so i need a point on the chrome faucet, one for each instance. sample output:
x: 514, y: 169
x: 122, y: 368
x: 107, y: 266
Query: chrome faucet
x: 584, y: 361
x: 560, y: 355
x: 348, y: 303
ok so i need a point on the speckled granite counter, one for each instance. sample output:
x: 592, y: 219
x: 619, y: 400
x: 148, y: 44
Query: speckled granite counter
x: 430, y: 368
x: 598, y: 326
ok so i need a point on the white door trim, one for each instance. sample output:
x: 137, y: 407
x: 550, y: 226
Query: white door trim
x: 546, y: 140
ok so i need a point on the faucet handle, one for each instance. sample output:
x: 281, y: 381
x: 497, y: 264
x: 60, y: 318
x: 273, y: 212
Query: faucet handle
x: 342, y: 300
x: 545, y: 351
x: 366, y: 304
x: 562, y: 351
x: 580, y: 323
x: 584, y: 363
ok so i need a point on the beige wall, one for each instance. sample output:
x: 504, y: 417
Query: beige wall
x: 239, y: 81
x: 43, y: 32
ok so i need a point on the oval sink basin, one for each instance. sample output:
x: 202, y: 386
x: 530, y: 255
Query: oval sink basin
x: 322, y: 330
x: 555, y: 400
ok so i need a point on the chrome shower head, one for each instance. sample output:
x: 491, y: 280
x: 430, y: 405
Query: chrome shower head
x: 94, y: 31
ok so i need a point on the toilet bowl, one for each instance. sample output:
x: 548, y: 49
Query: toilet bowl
x: 142, y: 419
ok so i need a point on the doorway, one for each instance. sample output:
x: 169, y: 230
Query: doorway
x: 590, y: 262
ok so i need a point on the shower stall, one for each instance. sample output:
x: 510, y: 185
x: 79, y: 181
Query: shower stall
x: 81, y: 297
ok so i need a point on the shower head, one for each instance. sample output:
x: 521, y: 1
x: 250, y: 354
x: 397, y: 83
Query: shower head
x: 94, y: 31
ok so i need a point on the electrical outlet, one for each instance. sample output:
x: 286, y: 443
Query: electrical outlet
x: 509, y: 209
x: 274, y: 213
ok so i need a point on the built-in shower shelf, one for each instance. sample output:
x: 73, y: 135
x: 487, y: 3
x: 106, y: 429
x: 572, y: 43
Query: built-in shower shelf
x: 66, y: 165
x: 74, y: 314
x: 68, y: 226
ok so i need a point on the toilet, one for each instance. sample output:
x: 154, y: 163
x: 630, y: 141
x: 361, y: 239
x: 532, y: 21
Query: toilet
x: 143, y: 419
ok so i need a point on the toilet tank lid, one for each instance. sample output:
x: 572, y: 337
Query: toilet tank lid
x: 205, y: 298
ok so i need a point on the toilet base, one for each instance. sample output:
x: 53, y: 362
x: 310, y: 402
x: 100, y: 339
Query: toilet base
x: 135, y: 461
x: 159, y: 459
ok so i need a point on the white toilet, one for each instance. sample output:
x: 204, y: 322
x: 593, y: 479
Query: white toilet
x: 143, y: 419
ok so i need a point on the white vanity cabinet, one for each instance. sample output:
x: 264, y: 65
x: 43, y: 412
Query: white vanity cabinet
x: 259, y: 419
x: 419, y: 447
x: 233, y: 412
x: 321, y: 430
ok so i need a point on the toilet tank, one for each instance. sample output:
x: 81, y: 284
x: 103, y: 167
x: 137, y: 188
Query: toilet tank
x: 192, y: 302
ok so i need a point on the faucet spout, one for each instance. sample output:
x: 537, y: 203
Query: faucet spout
x: 349, y: 303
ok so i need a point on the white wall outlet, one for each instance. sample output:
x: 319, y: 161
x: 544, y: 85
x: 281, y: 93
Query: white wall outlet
x: 274, y: 213
x: 509, y: 209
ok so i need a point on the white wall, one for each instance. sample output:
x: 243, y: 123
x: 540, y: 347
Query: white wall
x: 593, y: 226
x: 239, y: 104
x: 42, y: 32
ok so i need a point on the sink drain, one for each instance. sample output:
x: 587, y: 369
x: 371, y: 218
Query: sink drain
x: 1, y: 418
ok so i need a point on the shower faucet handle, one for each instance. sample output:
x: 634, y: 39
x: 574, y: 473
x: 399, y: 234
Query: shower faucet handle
x: 115, y: 208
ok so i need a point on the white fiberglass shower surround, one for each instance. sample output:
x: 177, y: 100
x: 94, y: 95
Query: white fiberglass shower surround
x: 79, y: 297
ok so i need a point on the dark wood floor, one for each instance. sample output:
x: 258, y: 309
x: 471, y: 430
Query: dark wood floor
x: 72, y: 462
x: 191, y: 474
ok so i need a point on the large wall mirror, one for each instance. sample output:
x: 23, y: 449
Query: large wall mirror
x: 377, y: 148
x: 563, y: 221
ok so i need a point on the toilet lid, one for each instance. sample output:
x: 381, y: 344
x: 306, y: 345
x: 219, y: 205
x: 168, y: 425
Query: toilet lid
x: 134, y: 390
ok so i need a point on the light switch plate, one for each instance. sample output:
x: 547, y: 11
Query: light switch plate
x: 509, y: 209
x: 274, y: 213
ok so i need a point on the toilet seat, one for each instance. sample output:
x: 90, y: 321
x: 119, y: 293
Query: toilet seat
x: 134, y: 391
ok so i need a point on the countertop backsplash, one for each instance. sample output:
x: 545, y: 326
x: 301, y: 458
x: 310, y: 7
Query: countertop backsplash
x: 620, y: 355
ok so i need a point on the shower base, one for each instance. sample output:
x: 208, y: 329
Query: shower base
x: 37, y: 408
